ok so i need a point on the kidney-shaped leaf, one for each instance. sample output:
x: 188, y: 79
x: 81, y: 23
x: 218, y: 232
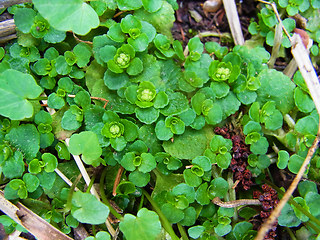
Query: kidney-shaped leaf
x: 15, y: 90
x: 145, y: 226
x: 86, y: 208
x: 74, y: 15
x: 87, y: 144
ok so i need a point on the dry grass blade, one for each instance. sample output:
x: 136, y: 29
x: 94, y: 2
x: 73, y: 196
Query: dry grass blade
x: 234, y: 22
x: 40, y: 228
x: 301, y: 56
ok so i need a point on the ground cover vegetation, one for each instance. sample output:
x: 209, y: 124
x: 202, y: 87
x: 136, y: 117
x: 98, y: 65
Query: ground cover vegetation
x: 181, y: 141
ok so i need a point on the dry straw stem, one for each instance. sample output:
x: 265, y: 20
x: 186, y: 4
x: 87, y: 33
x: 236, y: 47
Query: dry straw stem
x: 301, y: 56
x: 40, y: 228
x: 234, y: 22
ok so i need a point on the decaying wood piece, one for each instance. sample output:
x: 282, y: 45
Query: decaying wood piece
x: 36, y: 225
x: 234, y: 22
x: 8, y: 3
x: 7, y: 28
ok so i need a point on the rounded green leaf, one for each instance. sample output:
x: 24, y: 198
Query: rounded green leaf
x: 115, y: 81
x: 83, y: 54
x: 152, y: 5
x: 55, y: 101
x: 125, y: 188
x: 50, y: 161
x: 203, y: 162
x: 24, y: 18
x: 130, y: 22
x: 140, y: 179
x: 196, y: 231
x: 283, y: 158
x: 15, y: 90
x: 31, y: 181
x: 181, y: 146
x: 306, y: 187
x: 298, y: 213
x: 277, y: 87
x: 13, y: 167
x: 163, y: 133
x: 191, y: 179
x: 240, y: 229
x: 222, y: 229
x: 145, y: 226
x: 172, y: 213
x: 218, y: 188
x: 26, y: 138
x: 86, y: 208
x: 34, y: 166
x: 312, y: 200
x: 116, y: 34
x: 307, y: 125
x: 87, y: 144
x: 147, y: 115
x: 74, y: 15
x: 148, y: 163
x: 202, y: 196
x: 128, y: 161
x: 295, y: 163
x: 135, y: 67
x: 288, y: 217
x: 260, y: 146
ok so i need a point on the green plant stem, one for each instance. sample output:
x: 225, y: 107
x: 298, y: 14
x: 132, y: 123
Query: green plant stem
x: 41, y: 98
x: 215, y: 173
x: 232, y: 195
x: 289, y: 120
x: 141, y: 202
x: 301, y: 209
x: 70, y: 194
x: 182, y: 232
x: 292, y: 236
x: 104, y: 197
x: 94, y: 232
x: 165, y: 223
x: 90, y: 184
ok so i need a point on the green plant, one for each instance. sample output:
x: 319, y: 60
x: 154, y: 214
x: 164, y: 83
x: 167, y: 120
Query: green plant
x: 154, y: 123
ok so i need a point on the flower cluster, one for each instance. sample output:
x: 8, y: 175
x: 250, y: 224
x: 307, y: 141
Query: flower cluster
x: 269, y: 199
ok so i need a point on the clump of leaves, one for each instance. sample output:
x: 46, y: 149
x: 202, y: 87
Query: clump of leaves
x: 150, y: 122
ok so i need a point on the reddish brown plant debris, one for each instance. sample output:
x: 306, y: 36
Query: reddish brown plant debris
x: 240, y: 155
x: 269, y: 199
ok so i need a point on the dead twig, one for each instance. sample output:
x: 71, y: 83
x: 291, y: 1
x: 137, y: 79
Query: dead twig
x: 236, y: 203
x: 117, y: 181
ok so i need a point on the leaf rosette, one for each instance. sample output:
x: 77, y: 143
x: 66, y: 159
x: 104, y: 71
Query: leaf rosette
x: 223, y: 71
x: 124, y: 60
x: 147, y: 100
x: 219, y: 151
x: 139, y: 162
x: 118, y: 131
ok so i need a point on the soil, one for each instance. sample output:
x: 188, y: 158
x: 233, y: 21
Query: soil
x: 186, y: 26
